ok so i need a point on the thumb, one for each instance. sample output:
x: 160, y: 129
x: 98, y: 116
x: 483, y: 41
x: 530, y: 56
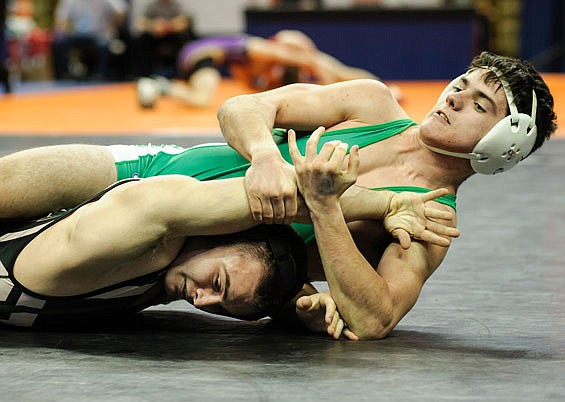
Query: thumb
x: 304, y: 303
x: 403, y: 238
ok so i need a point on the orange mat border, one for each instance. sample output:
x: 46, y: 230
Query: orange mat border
x: 112, y: 110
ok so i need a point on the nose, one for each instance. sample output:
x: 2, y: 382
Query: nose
x: 454, y: 100
x: 206, y: 297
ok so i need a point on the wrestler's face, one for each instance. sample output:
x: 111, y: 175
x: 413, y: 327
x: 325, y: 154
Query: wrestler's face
x: 220, y: 280
x: 466, y: 113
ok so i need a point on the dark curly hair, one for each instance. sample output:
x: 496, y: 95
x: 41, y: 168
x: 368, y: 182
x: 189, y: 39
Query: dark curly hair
x: 283, y: 253
x: 522, y: 78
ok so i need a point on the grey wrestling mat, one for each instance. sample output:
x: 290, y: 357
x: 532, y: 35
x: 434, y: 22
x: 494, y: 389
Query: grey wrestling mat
x: 489, y: 325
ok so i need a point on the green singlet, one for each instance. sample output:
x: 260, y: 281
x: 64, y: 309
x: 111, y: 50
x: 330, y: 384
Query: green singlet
x: 220, y: 161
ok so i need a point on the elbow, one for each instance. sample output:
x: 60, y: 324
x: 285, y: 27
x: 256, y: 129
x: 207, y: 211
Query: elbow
x: 373, y: 331
x: 225, y: 109
x: 231, y: 107
x: 374, y: 327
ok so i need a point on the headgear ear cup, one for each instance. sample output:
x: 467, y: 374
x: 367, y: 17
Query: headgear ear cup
x: 507, y: 143
x: 510, y: 140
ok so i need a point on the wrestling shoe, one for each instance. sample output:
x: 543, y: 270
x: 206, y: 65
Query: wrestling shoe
x: 147, y: 92
x: 163, y: 84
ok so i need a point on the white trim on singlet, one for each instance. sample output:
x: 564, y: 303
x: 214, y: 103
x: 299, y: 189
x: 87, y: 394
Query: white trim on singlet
x: 123, y: 153
x: 6, y: 286
x: 124, y: 291
x: 3, y: 271
x: 20, y: 319
x: 22, y: 233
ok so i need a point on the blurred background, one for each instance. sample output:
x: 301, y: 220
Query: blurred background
x: 102, y: 40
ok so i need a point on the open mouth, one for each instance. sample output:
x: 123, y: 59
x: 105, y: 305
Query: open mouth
x: 443, y: 116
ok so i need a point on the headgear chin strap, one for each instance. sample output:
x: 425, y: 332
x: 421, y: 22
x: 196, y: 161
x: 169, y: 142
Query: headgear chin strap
x: 507, y: 143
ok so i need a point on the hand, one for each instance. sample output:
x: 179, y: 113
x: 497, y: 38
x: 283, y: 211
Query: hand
x: 318, y: 312
x: 271, y: 190
x: 408, y: 216
x: 322, y: 176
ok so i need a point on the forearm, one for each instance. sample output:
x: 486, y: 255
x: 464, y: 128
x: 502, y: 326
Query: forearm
x: 185, y: 206
x: 247, y: 123
x: 362, y: 296
x: 360, y: 203
x: 357, y: 203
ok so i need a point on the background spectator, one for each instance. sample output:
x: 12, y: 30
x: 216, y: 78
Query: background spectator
x: 164, y: 26
x: 83, y: 32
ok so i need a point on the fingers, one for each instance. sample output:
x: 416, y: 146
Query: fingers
x: 279, y: 210
x: 304, y: 303
x: 437, y: 213
x: 331, y: 310
x: 440, y: 229
x: 350, y: 335
x: 403, y: 237
x: 312, y: 143
x: 333, y: 151
x: 353, y: 165
x: 267, y: 211
x: 292, y: 147
x: 291, y: 208
x: 338, y: 329
x: 435, y: 239
x: 256, y: 209
x: 336, y: 326
x: 434, y: 194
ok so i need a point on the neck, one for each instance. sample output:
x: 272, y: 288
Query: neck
x: 442, y: 168
x: 403, y: 160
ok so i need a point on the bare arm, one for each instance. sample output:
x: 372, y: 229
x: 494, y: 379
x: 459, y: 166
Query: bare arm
x: 247, y: 122
x: 134, y: 229
x: 370, y: 301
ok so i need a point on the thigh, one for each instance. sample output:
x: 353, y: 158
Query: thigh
x: 37, y: 181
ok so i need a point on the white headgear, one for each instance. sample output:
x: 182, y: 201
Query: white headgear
x: 507, y: 143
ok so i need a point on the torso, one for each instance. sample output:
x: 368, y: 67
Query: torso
x: 27, y: 306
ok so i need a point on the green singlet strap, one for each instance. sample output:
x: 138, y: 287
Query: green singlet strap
x: 361, y: 136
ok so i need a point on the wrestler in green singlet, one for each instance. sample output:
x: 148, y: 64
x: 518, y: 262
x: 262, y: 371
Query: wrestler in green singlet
x: 220, y: 161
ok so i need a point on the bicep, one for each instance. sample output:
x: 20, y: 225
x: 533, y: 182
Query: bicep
x: 308, y: 106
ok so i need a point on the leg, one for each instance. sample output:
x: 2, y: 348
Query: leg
x: 199, y: 89
x: 37, y: 181
x: 59, y: 50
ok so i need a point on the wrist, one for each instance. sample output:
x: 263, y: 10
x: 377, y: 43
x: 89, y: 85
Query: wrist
x: 265, y: 153
x: 387, y: 197
x: 323, y: 208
